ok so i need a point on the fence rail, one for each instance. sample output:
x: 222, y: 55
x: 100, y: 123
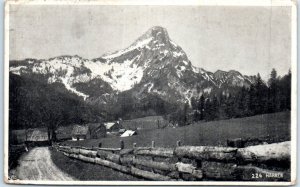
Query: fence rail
x: 269, y: 162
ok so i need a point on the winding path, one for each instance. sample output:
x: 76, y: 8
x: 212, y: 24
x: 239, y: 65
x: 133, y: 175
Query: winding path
x: 37, y: 165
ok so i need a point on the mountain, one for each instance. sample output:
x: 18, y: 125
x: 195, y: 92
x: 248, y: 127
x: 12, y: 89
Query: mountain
x: 232, y: 78
x: 154, y: 66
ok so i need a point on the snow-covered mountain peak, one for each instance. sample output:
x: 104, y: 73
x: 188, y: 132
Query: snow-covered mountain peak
x: 135, y: 46
x: 155, y: 38
x: 152, y: 51
x: 153, y: 64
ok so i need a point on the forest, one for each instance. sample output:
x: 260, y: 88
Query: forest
x: 35, y: 103
x: 259, y: 98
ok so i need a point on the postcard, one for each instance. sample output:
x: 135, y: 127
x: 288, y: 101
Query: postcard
x: 147, y: 92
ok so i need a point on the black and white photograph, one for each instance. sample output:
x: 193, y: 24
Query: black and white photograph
x: 142, y: 93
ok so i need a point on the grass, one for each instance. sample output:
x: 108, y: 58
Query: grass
x: 150, y: 122
x: 84, y: 171
x: 215, y: 133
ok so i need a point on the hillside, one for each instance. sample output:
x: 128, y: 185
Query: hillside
x: 146, y: 123
x: 276, y: 126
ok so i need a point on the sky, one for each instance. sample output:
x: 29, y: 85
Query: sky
x: 247, y: 39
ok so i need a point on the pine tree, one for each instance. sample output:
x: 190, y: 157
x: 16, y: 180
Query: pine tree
x: 201, y: 104
x: 252, y: 99
x: 239, y: 104
x: 246, y: 103
x: 284, y: 92
x: 211, y: 109
x: 194, y: 103
x: 273, y: 99
x: 273, y: 78
x: 260, y: 90
x: 215, y: 108
x: 229, y: 108
x: 207, y: 109
x: 185, y: 113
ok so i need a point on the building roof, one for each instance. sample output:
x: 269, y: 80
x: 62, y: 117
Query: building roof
x: 128, y: 133
x: 37, y: 135
x: 80, y: 130
x: 109, y: 125
x: 64, y: 132
x: 95, y: 126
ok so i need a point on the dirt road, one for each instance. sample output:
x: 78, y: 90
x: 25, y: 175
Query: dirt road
x: 37, y: 165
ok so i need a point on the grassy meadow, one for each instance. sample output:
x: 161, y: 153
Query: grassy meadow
x: 150, y: 122
x: 215, y: 133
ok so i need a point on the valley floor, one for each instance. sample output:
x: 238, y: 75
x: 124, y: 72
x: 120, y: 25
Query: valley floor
x: 43, y: 163
x: 272, y: 127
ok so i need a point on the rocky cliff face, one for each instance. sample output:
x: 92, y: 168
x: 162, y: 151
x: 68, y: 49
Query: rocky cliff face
x: 152, y: 66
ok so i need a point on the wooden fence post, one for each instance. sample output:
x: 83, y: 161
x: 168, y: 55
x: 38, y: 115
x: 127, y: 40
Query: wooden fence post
x: 122, y: 144
x: 178, y: 143
x: 153, y: 144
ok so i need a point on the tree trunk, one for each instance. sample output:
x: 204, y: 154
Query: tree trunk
x: 49, y: 135
x: 53, y: 135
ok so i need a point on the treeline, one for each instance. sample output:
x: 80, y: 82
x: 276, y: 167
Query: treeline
x: 127, y: 106
x: 259, y: 98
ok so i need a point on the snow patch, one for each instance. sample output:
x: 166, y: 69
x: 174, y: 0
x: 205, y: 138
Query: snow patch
x: 62, y: 69
x: 198, y: 70
x: 195, y: 70
x: 159, y: 92
x: 207, y: 90
x: 174, y: 44
x: 182, y: 68
x: 121, y: 76
x: 178, y: 72
x: 150, y: 87
x: 160, y: 45
x: 68, y: 87
x: 240, y: 77
x: 139, y: 44
x: 165, y: 52
x: 177, y: 54
x: 16, y: 70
